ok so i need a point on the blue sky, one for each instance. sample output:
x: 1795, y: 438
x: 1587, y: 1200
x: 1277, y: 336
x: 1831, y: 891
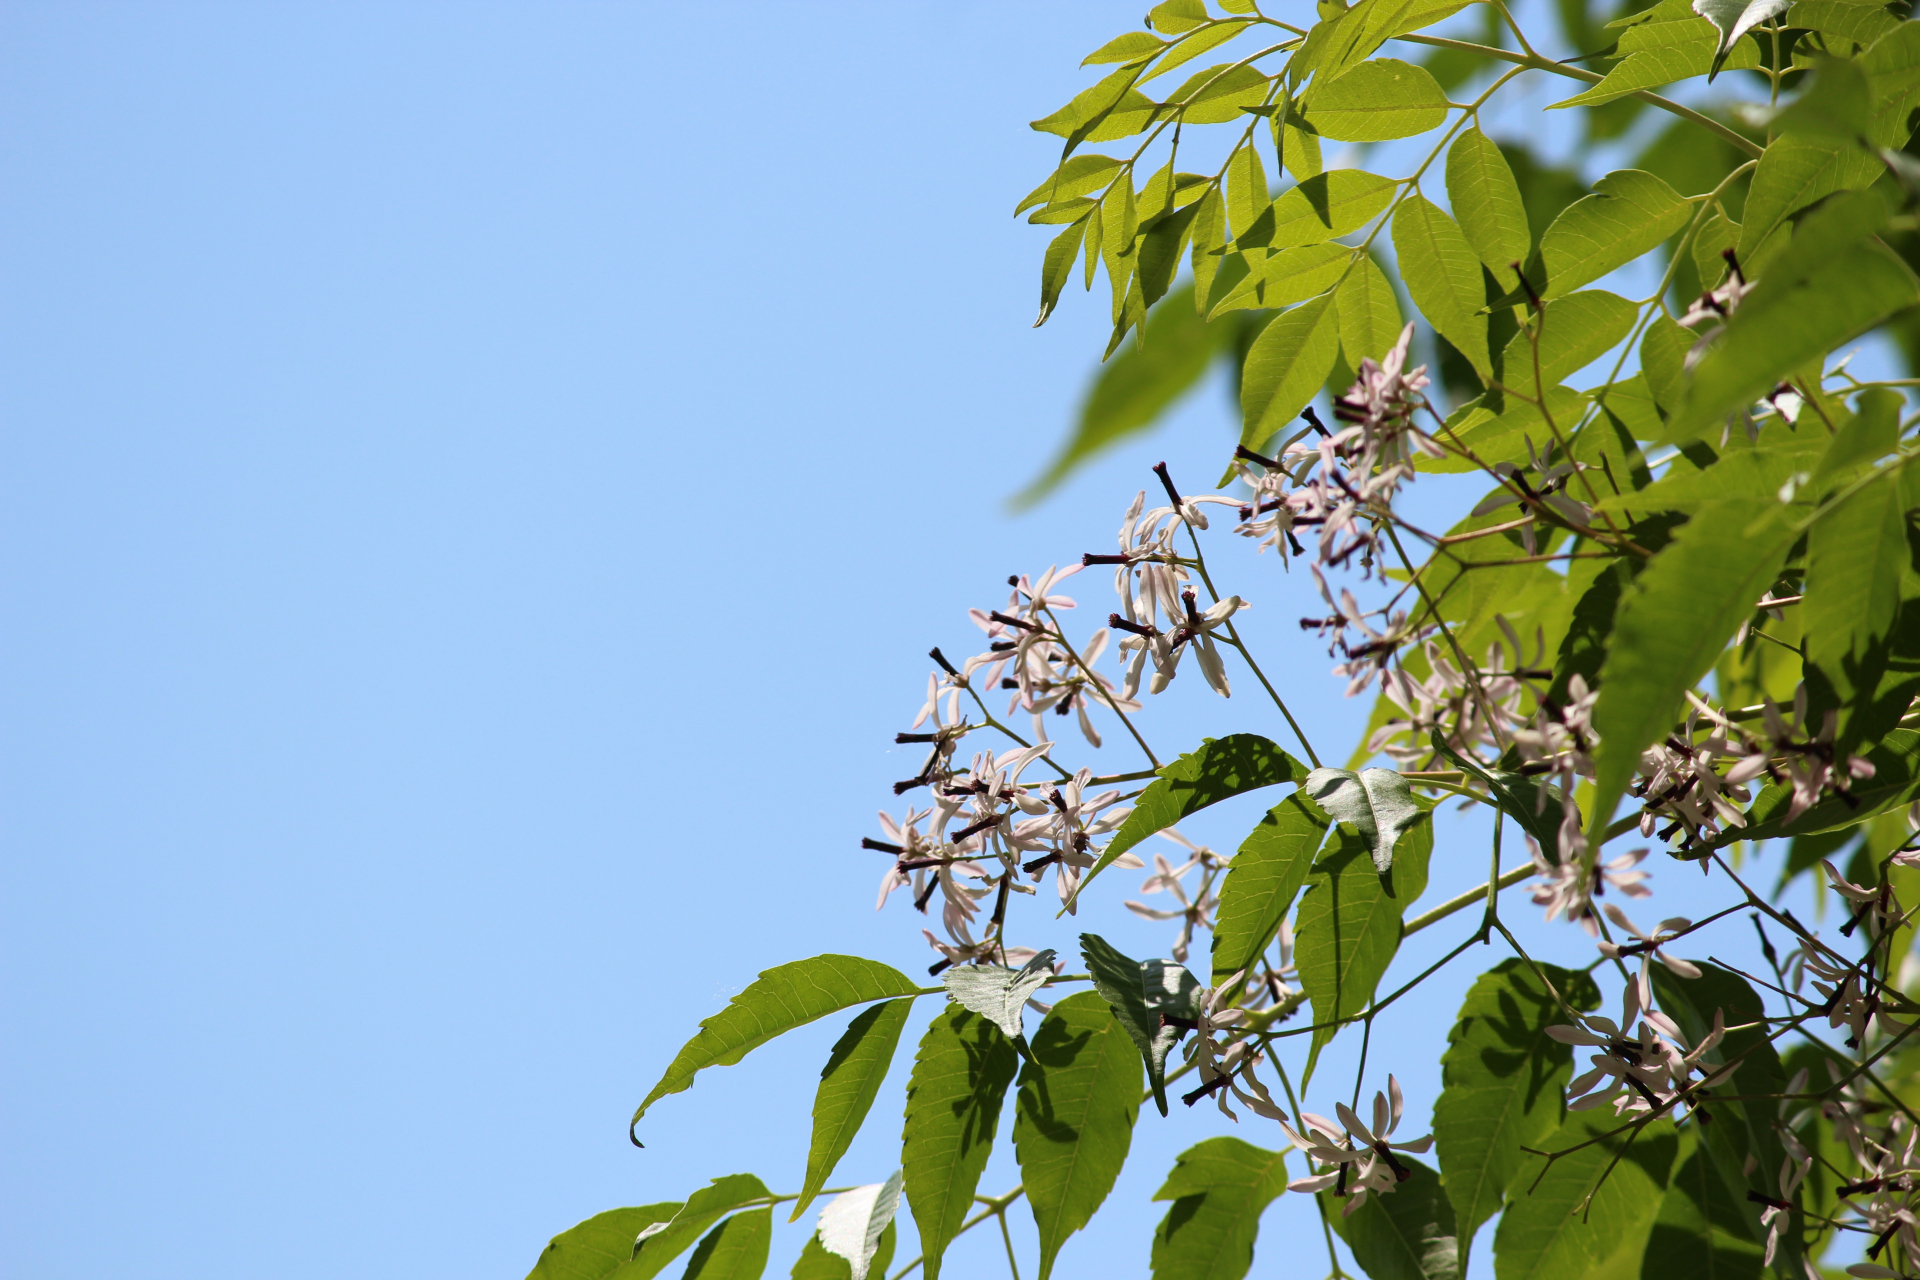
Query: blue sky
x: 479, y: 482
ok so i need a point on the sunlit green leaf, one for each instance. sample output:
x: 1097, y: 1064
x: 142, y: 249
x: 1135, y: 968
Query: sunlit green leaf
x: 1369, y: 313
x: 1486, y: 199
x: 1133, y: 46
x: 1057, y: 267
x: 1219, y: 1188
x: 1856, y: 552
x: 1260, y: 885
x: 848, y: 1085
x: 1659, y: 54
x: 1409, y: 1235
x: 1502, y: 1080
x: 960, y: 1077
x: 1111, y: 109
x: 1553, y: 1231
x: 1215, y: 96
x: 1348, y: 927
x: 601, y: 1245
x: 1171, y: 17
x: 702, y: 1210
x: 780, y: 999
x: 1699, y: 1231
x: 1219, y: 769
x: 1580, y: 328
x: 1286, y: 367
x: 1795, y: 172
x: 1292, y: 275
x: 1195, y: 45
x: 1078, y: 1096
x: 1322, y: 207
x: 1374, y: 101
x: 1444, y: 277
x: 734, y: 1250
x: 1078, y: 176
x: 1628, y: 214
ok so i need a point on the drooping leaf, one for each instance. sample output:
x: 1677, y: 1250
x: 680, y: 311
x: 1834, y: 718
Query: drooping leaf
x: 734, y: 1250
x: 1286, y: 367
x: 1628, y: 214
x: 960, y: 1077
x: 1377, y: 803
x: 1121, y: 982
x: 780, y: 999
x: 1409, y: 1235
x: 815, y: 1263
x: 1551, y: 1231
x: 1077, y: 176
x: 1377, y: 100
x: 1260, y: 885
x: 1221, y: 768
x: 1111, y: 109
x: 601, y: 1245
x: 1502, y: 1080
x: 997, y: 993
x: 1078, y: 1095
x: 1369, y: 313
x: 848, y: 1085
x: 1795, y: 314
x: 1193, y: 46
x: 1057, y: 267
x: 660, y: 1244
x: 1349, y: 924
x: 1670, y: 627
x: 1486, y: 199
x: 1444, y: 277
x: 1219, y: 1188
x: 854, y: 1221
x: 1138, y: 385
x: 1133, y: 46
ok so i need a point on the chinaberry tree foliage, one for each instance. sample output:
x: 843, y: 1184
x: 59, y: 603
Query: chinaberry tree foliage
x: 1684, y: 615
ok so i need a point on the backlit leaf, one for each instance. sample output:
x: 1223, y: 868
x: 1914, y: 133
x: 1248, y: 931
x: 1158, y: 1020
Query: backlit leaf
x: 1348, y: 927
x: 780, y: 999
x: 1629, y: 213
x: 1486, y: 199
x: 1855, y: 554
x: 1443, y: 275
x: 1221, y: 768
x: 1078, y: 1096
x: 734, y: 1250
x: 1292, y: 275
x: 1552, y: 1232
x: 1322, y: 207
x: 960, y: 1077
x: 1408, y: 1235
x: 1057, y: 267
x: 1664, y: 53
x: 702, y: 1210
x: 1502, y: 1080
x: 848, y: 1085
x: 601, y: 1245
x: 1794, y: 173
x: 1219, y: 1188
x: 1260, y: 885
x: 1376, y: 100
x: 1369, y: 313
x: 1286, y: 367
x: 1580, y: 328
x: 1076, y: 177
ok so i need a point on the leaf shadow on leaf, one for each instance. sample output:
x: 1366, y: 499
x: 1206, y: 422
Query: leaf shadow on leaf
x: 1516, y: 1026
x: 1057, y: 1052
x: 978, y: 1113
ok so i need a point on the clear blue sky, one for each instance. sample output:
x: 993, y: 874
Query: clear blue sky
x: 479, y: 482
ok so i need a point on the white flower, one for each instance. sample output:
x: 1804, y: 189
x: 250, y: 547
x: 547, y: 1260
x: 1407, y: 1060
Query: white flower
x: 1363, y: 1156
x: 1648, y: 948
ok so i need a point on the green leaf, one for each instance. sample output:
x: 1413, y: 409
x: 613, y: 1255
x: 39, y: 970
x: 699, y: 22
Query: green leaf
x: 1261, y: 882
x: 1896, y: 782
x: 960, y: 1077
x: 1663, y: 53
x: 1292, y: 275
x: 1220, y: 769
x: 1796, y: 315
x: 1322, y: 207
x: 1376, y: 803
x: 1137, y: 386
x: 657, y: 1247
x: 1870, y: 434
x: 1369, y: 313
x: 1663, y: 353
x: 1670, y: 627
x: 1219, y: 1189
x: 1551, y: 1232
x: 1375, y: 101
x: 852, y: 1224
x: 1855, y: 555
x: 601, y: 1245
x: 1629, y: 213
x: 1739, y: 1130
x: 1134, y: 46
x: 1076, y: 177
x: 1698, y: 1230
x: 1408, y: 1235
x: 1502, y: 1080
x: 999, y: 994
x: 1349, y: 924
x: 1171, y: 17
x: 734, y: 1250
x: 1444, y: 277
x: 1515, y: 794
x: 1195, y: 45
x: 1486, y: 199
x: 1161, y: 249
x: 1121, y: 982
x: 1247, y: 196
x: 1839, y: 103
x: 1794, y: 173
x: 1056, y: 268
x: 1859, y: 24
x: 848, y: 1085
x: 780, y: 999
x: 815, y: 1263
x: 1111, y: 109
x: 1216, y: 95
x: 1286, y: 367
x: 1580, y: 328
x: 1073, y: 1123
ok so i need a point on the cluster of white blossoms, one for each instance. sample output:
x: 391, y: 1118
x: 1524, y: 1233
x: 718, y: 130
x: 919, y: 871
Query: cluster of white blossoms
x: 1357, y: 1159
